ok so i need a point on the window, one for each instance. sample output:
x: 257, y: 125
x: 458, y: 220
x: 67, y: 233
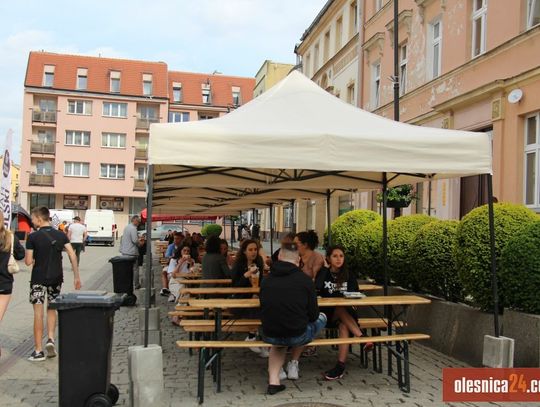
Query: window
x: 434, y: 49
x: 77, y: 138
x: 115, y: 82
x: 375, y: 84
x: 307, y: 65
x: 44, y: 167
x: 113, y: 140
x: 45, y: 136
x: 351, y: 94
x: 378, y: 5
x: 205, y: 116
x: 147, y: 84
x: 177, y: 92
x: 141, y: 173
x: 206, y: 96
x: 47, y: 200
x: 178, y: 117
x: 402, y: 69
x: 326, y: 51
x: 316, y: 58
x: 112, y: 109
x: 236, y: 96
x: 353, y: 19
x: 82, y: 78
x: 147, y: 112
x: 113, y: 171
x: 339, y: 33
x: 479, y: 17
x: 533, y: 13
x: 80, y: 107
x: 47, y: 105
x: 75, y: 169
x: 48, y: 76
x: 532, y: 150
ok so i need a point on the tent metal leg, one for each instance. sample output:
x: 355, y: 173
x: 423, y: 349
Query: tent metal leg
x: 493, y: 255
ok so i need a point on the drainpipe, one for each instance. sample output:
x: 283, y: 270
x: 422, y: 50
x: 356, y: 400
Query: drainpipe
x: 360, y: 79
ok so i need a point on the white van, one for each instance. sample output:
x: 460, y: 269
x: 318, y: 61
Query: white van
x: 100, y: 226
x: 60, y: 215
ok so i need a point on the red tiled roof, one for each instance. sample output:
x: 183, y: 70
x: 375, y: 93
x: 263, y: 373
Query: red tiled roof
x: 65, y: 73
x: 220, y: 86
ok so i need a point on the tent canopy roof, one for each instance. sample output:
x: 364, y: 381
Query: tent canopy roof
x: 296, y: 136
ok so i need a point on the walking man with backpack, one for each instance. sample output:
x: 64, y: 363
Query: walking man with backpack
x: 44, y: 252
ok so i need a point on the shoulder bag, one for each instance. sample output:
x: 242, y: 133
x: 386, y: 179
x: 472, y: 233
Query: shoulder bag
x: 13, y: 266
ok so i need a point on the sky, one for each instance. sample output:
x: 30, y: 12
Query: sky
x: 233, y: 37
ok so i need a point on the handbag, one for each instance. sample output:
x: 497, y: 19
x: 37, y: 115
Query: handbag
x: 13, y: 266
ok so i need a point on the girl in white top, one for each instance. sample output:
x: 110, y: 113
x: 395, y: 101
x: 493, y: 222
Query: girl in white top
x: 180, y: 266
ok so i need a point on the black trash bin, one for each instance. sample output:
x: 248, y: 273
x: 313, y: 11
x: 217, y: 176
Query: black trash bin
x: 123, y: 277
x: 85, y: 327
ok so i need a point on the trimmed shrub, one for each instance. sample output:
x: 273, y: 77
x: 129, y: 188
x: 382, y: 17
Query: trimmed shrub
x: 432, y: 257
x: 401, y: 233
x: 211, y: 229
x: 369, y: 251
x: 520, y: 270
x: 346, y: 231
x: 473, y: 256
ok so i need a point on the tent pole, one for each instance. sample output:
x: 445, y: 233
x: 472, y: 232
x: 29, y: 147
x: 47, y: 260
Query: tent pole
x: 232, y: 230
x: 148, y: 251
x: 429, y: 198
x: 493, y: 256
x: 271, y: 229
x: 328, y: 194
x: 396, y: 62
x: 292, y: 216
x: 387, y: 309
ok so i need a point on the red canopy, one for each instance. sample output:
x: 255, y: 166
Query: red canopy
x: 165, y: 218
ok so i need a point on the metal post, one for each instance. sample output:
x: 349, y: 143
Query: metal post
x: 224, y: 230
x: 232, y: 230
x: 396, y: 61
x: 385, y: 232
x: 491, y: 215
x: 329, y: 226
x: 148, y: 284
x: 429, y: 199
x: 271, y: 229
x: 292, y: 216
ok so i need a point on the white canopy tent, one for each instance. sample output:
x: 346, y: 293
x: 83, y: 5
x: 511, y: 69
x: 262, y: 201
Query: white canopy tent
x: 298, y: 141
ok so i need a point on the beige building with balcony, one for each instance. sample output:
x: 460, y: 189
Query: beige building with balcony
x: 86, y: 124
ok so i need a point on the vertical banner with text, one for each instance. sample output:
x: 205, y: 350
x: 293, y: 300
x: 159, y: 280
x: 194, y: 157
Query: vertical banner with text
x: 5, y: 191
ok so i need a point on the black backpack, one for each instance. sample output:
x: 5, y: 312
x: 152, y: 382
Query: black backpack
x: 53, y: 272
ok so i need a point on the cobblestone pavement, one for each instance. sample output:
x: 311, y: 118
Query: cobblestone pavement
x: 244, y: 374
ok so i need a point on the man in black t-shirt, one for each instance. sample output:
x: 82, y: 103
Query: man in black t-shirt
x: 44, y: 253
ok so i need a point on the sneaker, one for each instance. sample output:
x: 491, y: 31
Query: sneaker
x: 293, y: 370
x: 172, y: 298
x: 164, y: 292
x: 51, y: 348
x: 282, y: 374
x: 257, y: 350
x: 37, y: 356
x: 336, y: 372
x: 274, y: 389
x: 309, y: 351
x: 264, y: 352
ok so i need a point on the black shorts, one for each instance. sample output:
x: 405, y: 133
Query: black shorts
x: 6, y: 289
x: 38, y: 292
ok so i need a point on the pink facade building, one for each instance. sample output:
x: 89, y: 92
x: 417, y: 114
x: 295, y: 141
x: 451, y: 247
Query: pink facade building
x: 86, y: 126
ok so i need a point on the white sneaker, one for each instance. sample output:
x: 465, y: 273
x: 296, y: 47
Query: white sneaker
x: 172, y: 298
x: 293, y: 370
x: 282, y: 374
x: 257, y: 350
x: 264, y: 352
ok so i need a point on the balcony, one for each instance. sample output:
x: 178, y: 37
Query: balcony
x: 41, y: 180
x: 145, y: 122
x: 38, y: 147
x: 43, y: 117
x: 139, y: 184
x: 141, y: 153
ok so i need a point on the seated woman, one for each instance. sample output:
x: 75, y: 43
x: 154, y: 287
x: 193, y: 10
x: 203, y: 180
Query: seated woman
x: 184, y: 262
x: 333, y: 281
x: 248, y: 263
x: 224, y: 250
x: 214, y: 265
x: 310, y: 260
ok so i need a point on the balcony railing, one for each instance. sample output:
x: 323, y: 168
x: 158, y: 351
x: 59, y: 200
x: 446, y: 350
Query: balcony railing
x: 141, y: 153
x: 42, y: 148
x: 44, y: 117
x: 42, y: 180
x: 145, y: 122
x: 139, y: 184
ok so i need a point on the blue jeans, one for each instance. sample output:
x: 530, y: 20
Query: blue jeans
x: 312, y: 330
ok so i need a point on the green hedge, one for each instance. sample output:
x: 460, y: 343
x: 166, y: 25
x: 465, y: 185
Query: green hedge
x: 432, y: 256
x: 473, y: 256
x: 401, y: 233
x: 211, y: 229
x: 520, y: 270
x: 368, y: 252
x: 346, y: 232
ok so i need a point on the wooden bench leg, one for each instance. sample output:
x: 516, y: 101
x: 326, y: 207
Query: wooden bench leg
x: 200, y: 375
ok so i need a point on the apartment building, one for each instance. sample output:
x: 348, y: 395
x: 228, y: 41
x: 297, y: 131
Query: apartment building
x: 86, y: 124
x: 269, y: 74
x: 463, y: 64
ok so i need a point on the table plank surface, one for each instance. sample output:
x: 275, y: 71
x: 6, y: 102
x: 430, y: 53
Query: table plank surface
x: 219, y: 290
x: 224, y: 281
x: 225, y: 303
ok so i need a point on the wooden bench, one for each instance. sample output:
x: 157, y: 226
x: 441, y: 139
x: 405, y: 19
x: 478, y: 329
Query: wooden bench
x: 399, y: 345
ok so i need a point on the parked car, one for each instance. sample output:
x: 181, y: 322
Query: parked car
x: 159, y: 232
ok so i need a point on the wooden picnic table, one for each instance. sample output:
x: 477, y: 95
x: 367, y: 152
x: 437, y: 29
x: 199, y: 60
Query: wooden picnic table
x: 219, y: 290
x: 185, y: 281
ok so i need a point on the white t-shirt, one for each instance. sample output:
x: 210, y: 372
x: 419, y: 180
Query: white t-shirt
x: 77, y: 232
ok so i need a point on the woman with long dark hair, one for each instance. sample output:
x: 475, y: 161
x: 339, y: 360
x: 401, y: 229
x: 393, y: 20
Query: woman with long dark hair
x: 334, y: 281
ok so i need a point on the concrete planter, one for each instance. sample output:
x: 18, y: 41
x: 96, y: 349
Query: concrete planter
x: 525, y: 330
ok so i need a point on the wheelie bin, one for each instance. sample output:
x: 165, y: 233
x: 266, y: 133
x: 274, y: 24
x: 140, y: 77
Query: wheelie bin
x: 123, y: 277
x: 85, y: 328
